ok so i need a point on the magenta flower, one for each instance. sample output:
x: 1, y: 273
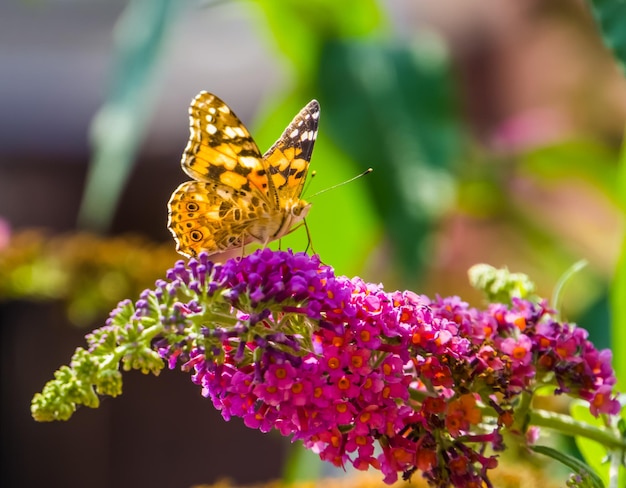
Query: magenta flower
x: 279, y: 340
x: 367, y: 351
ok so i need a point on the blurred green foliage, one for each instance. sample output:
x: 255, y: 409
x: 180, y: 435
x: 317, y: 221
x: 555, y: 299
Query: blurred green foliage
x: 389, y: 102
x: 301, y: 30
x: 394, y: 111
x: 85, y: 272
x: 385, y: 105
x: 118, y: 128
x: 595, y: 454
x: 610, y: 15
x: 618, y: 292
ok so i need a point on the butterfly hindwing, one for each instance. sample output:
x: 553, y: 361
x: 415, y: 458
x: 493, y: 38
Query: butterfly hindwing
x: 209, y: 217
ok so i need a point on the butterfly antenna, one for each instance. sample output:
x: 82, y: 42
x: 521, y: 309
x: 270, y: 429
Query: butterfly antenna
x: 367, y: 171
x: 308, y: 183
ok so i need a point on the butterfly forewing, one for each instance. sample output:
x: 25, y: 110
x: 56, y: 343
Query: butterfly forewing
x: 288, y: 159
x: 220, y: 148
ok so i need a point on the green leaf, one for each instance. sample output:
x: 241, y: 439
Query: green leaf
x: 300, y: 29
x: 342, y: 222
x: 571, y: 462
x: 593, y: 452
x: 586, y: 160
x: 392, y: 108
x: 118, y: 128
x: 565, y: 277
x: 610, y: 15
x: 618, y: 291
x: 301, y: 465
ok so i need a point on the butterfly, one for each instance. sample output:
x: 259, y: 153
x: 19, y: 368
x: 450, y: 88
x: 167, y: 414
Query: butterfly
x: 238, y: 196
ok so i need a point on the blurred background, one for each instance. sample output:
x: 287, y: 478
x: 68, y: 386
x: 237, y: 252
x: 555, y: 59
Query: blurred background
x: 493, y: 128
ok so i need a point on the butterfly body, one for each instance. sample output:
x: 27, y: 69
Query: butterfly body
x: 237, y: 195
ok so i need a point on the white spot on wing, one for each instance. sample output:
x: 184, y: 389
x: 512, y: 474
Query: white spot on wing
x: 249, y: 161
x: 230, y: 132
x: 223, y: 194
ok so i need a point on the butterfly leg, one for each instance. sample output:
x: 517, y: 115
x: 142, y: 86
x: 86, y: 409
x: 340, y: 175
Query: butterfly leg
x: 243, y: 248
x: 309, y: 240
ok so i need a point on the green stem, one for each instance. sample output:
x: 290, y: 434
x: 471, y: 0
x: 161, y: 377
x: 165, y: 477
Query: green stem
x: 522, y: 415
x: 565, y: 424
x: 616, y: 458
x: 146, y: 336
x: 568, y: 426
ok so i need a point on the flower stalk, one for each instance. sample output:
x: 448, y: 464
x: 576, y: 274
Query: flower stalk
x: 607, y: 437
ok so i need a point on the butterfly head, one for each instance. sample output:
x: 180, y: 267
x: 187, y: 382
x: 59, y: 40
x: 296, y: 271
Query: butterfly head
x: 299, y: 210
x: 295, y: 212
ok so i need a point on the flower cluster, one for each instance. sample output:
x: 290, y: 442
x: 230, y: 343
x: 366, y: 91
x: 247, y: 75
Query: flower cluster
x: 390, y: 380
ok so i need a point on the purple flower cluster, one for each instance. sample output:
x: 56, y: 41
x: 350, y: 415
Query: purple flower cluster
x: 277, y: 339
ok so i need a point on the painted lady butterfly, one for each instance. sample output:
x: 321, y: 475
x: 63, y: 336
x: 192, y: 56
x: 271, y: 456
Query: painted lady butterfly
x: 237, y: 195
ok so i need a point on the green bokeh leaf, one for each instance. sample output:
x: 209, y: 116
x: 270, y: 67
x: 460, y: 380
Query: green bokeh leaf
x: 595, y: 454
x: 584, y: 159
x: 301, y: 28
x: 118, y: 128
x: 342, y: 222
x: 611, y: 16
x: 302, y: 465
x: 392, y: 108
x: 575, y: 464
x: 618, y: 291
